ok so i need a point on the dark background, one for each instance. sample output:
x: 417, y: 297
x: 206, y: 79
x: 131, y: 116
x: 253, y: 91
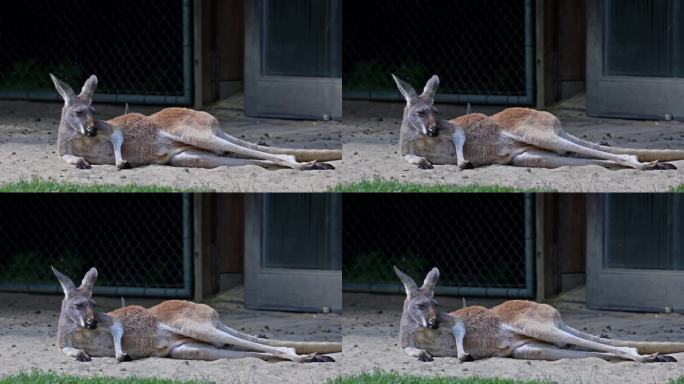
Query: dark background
x: 132, y: 239
x: 475, y: 240
x: 132, y: 46
x: 475, y: 46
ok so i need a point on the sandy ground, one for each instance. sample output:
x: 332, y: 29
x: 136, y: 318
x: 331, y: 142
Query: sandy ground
x: 28, y: 332
x: 371, y: 337
x: 28, y: 137
x: 371, y: 136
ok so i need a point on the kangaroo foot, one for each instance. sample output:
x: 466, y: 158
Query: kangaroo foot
x: 425, y: 357
x: 83, y: 357
x: 123, y: 165
x: 124, y: 357
x: 465, y: 357
x: 657, y: 358
x: 317, y: 166
x: 82, y: 164
x: 315, y: 358
x: 425, y: 164
x: 659, y: 166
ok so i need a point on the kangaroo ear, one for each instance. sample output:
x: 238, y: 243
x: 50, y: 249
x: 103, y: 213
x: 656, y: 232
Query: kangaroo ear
x: 89, y: 280
x: 89, y: 88
x: 430, y: 89
x: 406, y: 90
x: 64, y: 281
x: 431, y: 280
x: 408, y: 282
x: 468, y: 112
x: 63, y: 89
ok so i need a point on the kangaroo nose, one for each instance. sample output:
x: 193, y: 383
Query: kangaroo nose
x: 433, y: 324
x: 433, y: 131
x: 91, y: 131
x: 91, y: 323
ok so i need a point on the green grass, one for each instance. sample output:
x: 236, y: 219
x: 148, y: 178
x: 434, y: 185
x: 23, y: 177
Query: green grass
x: 51, y: 378
x: 393, y: 378
x: 680, y: 188
x: 40, y: 185
x: 679, y: 380
x: 379, y: 185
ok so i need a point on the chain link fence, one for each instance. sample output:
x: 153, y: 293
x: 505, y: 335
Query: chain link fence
x: 140, y: 243
x: 482, y: 50
x: 140, y: 50
x: 483, y: 244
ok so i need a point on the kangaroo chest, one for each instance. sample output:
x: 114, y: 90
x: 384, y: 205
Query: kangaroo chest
x: 96, y: 150
x: 439, y: 342
x: 96, y: 342
x: 438, y: 150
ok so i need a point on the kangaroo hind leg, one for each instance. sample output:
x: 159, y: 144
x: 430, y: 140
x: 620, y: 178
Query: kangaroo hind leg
x: 543, y: 351
x: 201, y: 351
x: 560, y: 144
x: 558, y: 337
x: 545, y: 159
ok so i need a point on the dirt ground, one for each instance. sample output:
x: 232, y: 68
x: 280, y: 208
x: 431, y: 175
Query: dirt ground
x: 28, y: 137
x: 371, y: 337
x: 28, y: 331
x: 371, y: 136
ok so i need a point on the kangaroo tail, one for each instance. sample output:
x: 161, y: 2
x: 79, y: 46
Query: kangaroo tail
x: 301, y: 347
x: 643, y: 347
x: 641, y: 154
x: 305, y: 347
x: 300, y: 155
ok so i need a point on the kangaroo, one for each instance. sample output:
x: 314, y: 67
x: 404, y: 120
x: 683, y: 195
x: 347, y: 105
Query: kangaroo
x: 174, y: 136
x: 517, y: 328
x: 520, y: 137
x: 174, y: 328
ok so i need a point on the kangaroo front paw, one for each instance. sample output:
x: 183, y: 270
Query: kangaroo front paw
x: 83, y: 164
x: 466, y: 165
x: 465, y: 357
x: 425, y: 357
x: 425, y: 164
x: 123, y: 357
x: 317, y: 166
x: 83, y: 357
x: 123, y: 165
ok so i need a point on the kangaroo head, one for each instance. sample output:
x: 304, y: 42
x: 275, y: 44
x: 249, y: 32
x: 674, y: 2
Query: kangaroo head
x: 78, y: 305
x: 420, y: 113
x: 78, y: 113
x: 420, y: 306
